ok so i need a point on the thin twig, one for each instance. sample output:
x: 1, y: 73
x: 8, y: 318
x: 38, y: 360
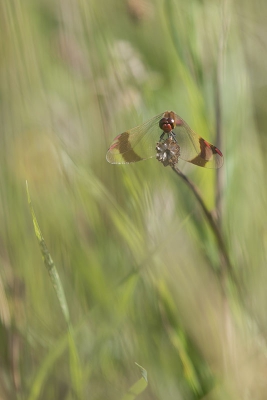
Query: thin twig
x: 211, y: 222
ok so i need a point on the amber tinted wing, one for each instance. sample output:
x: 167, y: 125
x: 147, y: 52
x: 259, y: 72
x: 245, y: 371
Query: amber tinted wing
x: 195, y: 149
x: 136, y: 144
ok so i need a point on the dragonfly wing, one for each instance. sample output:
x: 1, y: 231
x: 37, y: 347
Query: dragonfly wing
x: 140, y: 143
x: 136, y: 144
x: 195, y: 149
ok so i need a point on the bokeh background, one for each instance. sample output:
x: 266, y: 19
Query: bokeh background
x: 138, y: 262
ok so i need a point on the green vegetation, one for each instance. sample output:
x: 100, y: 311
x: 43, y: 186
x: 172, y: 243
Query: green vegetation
x: 146, y: 302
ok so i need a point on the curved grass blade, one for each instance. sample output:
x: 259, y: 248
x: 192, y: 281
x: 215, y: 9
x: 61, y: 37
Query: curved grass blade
x: 138, y: 387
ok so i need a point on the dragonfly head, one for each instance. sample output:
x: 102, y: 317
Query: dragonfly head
x: 167, y: 124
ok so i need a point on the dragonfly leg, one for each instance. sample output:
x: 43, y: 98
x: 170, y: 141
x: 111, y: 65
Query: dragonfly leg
x: 172, y: 135
x: 161, y: 136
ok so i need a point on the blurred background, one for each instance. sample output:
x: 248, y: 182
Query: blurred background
x: 138, y: 262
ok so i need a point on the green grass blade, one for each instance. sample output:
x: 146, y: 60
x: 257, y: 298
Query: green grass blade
x: 49, y: 263
x: 51, y: 268
x: 138, y: 387
x: 75, y: 366
x: 43, y: 372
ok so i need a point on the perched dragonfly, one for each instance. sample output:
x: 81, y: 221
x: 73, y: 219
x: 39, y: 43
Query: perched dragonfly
x: 140, y: 142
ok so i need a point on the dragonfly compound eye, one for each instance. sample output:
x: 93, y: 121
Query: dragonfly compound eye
x: 171, y: 122
x: 166, y: 124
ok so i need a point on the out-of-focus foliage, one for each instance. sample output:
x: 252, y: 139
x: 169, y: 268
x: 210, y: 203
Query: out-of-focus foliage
x: 136, y: 257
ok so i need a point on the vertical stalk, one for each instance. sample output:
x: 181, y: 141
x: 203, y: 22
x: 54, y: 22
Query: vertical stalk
x: 212, y: 223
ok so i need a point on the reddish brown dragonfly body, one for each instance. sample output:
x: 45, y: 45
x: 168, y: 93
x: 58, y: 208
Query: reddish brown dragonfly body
x: 140, y: 143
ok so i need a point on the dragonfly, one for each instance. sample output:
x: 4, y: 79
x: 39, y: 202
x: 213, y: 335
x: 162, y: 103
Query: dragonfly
x: 140, y: 143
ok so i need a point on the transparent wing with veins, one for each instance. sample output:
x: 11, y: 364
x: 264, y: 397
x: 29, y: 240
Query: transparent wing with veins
x: 140, y: 142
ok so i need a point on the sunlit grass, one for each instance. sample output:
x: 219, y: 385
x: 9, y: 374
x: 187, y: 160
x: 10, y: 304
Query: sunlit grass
x: 138, y: 262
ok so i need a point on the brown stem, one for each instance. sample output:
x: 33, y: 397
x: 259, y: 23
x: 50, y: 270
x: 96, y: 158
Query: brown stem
x: 211, y: 221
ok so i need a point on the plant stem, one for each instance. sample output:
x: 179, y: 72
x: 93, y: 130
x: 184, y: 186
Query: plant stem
x: 211, y: 221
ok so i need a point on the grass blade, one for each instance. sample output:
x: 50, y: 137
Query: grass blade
x: 51, y: 268
x: 138, y: 387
